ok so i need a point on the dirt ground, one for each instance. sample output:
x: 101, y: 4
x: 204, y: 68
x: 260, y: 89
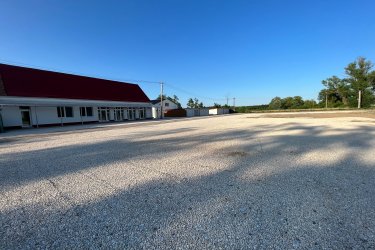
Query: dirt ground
x: 224, y: 182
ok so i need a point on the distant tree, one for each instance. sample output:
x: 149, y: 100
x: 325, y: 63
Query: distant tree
x: 216, y: 105
x: 176, y: 100
x: 164, y: 97
x: 309, y: 104
x: 297, y: 102
x: 361, y: 78
x: 194, y: 103
x: 275, y: 103
x: 190, y: 103
x: 287, y: 103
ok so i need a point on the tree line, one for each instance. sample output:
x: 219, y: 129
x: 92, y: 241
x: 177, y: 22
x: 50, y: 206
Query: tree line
x: 356, y: 89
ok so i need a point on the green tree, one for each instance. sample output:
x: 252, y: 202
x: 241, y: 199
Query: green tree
x: 275, y: 103
x: 361, y: 78
x: 297, y: 102
x: 164, y: 97
x: 216, y: 105
x: 194, y: 103
x: 309, y: 104
x: 287, y: 103
x: 176, y: 100
x: 190, y: 103
x: 337, y: 90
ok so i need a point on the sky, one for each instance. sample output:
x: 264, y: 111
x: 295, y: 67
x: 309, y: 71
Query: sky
x: 213, y: 50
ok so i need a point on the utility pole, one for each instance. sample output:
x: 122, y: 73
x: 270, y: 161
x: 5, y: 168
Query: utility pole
x: 359, y: 98
x: 227, y: 99
x: 234, y: 103
x: 161, y: 100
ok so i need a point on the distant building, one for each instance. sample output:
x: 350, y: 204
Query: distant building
x: 190, y: 112
x: 218, y: 111
x: 32, y: 97
x: 167, y: 105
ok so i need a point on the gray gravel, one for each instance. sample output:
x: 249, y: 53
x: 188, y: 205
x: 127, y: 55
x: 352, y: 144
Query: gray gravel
x: 231, y: 182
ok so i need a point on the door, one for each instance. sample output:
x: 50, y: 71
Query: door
x: 26, y: 121
x: 118, y: 114
x: 103, y: 114
x: 131, y: 114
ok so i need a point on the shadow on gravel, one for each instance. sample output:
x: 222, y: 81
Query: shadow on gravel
x: 268, y: 198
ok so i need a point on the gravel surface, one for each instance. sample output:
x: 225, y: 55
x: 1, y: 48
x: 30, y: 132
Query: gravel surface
x: 230, y: 182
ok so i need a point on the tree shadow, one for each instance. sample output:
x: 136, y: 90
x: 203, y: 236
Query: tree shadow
x: 270, y: 194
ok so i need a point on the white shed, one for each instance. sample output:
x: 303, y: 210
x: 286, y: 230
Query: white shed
x: 218, y: 111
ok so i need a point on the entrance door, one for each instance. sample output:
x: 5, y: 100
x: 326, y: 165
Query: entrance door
x: 131, y: 114
x: 26, y: 121
x: 118, y: 114
x: 103, y: 114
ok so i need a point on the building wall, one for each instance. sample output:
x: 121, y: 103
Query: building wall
x: 204, y: 112
x: 48, y: 115
x: 11, y: 116
x: 190, y: 112
x: 149, y: 112
x: 43, y: 115
x: 167, y: 104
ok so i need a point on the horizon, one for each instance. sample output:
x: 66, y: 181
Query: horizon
x: 211, y: 51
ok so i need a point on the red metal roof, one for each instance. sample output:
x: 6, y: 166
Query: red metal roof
x: 28, y: 82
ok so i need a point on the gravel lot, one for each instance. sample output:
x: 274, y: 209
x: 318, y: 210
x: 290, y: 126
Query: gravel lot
x: 231, y: 182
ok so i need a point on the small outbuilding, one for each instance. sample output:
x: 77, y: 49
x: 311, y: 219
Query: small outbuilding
x: 218, y: 111
x: 190, y: 112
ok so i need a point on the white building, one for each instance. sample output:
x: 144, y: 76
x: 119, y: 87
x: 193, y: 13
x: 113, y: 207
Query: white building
x: 218, y: 111
x: 33, y: 98
x: 167, y: 105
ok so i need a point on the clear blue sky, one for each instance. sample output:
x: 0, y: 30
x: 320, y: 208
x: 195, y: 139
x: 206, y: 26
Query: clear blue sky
x: 251, y: 50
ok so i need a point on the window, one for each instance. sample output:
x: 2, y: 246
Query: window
x: 64, y: 112
x: 89, y: 111
x: 69, y: 111
x: 82, y: 111
x: 60, y: 112
x: 166, y: 104
x: 85, y: 111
